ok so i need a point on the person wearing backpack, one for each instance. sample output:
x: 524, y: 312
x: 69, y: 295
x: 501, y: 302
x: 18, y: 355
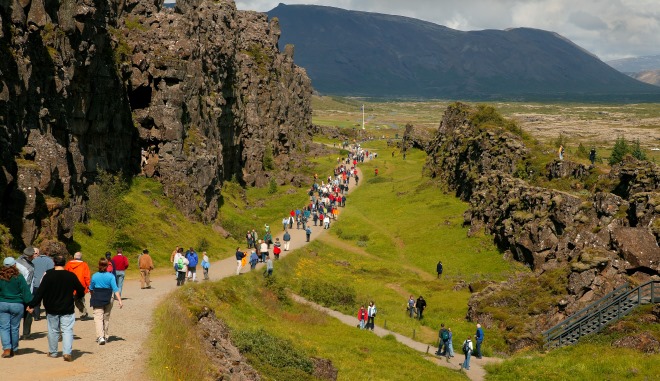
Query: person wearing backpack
x: 467, y: 351
x: 308, y: 233
x: 181, y: 264
x: 277, y: 248
x: 286, y: 238
x: 443, y: 342
x: 193, y: 259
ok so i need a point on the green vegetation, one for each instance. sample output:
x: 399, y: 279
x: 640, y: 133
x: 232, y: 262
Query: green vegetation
x: 268, y: 163
x: 261, y: 58
x: 620, y: 150
x: 121, y: 52
x: 593, y: 358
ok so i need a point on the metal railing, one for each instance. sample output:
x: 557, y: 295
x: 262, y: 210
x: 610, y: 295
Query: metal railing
x: 604, y: 311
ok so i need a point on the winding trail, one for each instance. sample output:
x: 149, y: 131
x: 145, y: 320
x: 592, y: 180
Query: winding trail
x: 125, y: 355
x: 476, y: 372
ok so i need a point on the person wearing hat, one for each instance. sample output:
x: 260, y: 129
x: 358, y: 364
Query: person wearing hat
x: 81, y: 269
x: 146, y: 264
x: 26, y: 267
x: 57, y: 291
x: 14, y: 293
x: 42, y: 263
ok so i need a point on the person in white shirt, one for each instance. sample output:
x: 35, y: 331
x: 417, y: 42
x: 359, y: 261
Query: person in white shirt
x: 467, y: 350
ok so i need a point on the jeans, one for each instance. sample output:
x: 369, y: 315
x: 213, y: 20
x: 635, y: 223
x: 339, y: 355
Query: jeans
x: 420, y: 311
x: 57, y: 324
x: 450, y: 347
x: 180, y: 278
x: 411, y: 310
x: 120, y: 279
x: 361, y: 324
x: 466, y: 363
x: 477, y: 353
x: 370, y: 322
x: 10, y: 321
x: 206, y: 274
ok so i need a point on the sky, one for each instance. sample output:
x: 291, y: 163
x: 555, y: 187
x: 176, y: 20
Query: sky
x: 610, y: 29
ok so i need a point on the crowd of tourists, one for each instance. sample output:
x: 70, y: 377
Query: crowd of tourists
x: 185, y: 265
x: 36, y: 278
x: 326, y: 196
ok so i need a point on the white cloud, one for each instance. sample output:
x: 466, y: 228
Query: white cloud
x: 608, y: 28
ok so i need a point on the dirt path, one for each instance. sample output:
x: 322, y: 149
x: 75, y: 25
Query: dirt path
x: 475, y: 373
x: 125, y: 356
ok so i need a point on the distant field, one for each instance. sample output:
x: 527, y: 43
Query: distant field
x: 597, y: 125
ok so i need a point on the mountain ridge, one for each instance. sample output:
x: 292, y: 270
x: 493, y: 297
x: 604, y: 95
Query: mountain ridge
x: 378, y: 55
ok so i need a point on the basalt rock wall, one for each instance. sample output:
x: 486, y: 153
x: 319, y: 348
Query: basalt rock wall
x: 604, y: 239
x: 192, y: 96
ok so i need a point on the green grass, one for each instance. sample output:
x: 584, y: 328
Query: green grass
x: 593, y: 358
x: 156, y: 224
x: 248, y: 303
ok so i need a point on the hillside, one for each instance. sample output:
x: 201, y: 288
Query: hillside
x: 377, y: 55
x: 636, y: 64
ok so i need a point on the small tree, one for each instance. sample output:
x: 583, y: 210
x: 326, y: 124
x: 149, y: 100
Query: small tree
x: 560, y: 141
x: 637, y: 152
x: 268, y: 158
x: 582, y: 152
x: 272, y: 186
x: 620, y: 150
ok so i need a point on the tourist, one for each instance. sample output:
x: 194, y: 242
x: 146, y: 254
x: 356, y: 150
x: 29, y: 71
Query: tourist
x: 285, y: 223
x: 371, y: 315
x: 206, y: 264
x: 145, y: 264
x: 26, y: 268
x: 443, y: 341
x: 269, y: 267
x: 120, y: 262
x: 263, y: 250
x: 176, y: 250
x: 277, y: 248
x: 411, y: 306
x: 14, y: 294
x: 438, y: 269
x: 450, y: 343
x: 467, y: 351
x: 254, y: 259
x: 181, y: 264
x: 561, y: 152
x: 81, y: 269
x: 308, y: 233
x: 420, y: 305
x: 362, y: 316
x: 57, y: 291
x: 42, y: 263
x: 239, y: 260
x: 111, y: 264
x: 193, y: 259
x: 479, y: 336
x: 103, y: 287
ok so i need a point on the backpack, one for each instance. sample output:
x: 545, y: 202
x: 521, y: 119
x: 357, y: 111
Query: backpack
x: 444, y: 335
x: 180, y: 264
x: 466, y: 347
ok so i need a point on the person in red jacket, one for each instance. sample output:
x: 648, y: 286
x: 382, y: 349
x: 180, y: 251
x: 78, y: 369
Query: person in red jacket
x: 362, y: 316
x: 121, y: 264
x: 81, y: 269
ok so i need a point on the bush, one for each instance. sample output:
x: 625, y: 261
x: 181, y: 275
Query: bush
x: 620, y: 150
x: 106, y: 200
x: 637, y: 151
x: 272, y: 186
x: 271, y: 350
x: 268, y: 162
x: 328, y: 294
x: 202, y: 245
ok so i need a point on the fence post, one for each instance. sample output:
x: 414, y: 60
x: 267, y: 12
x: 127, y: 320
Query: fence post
x: 385, y: 324
x: 427, y: 349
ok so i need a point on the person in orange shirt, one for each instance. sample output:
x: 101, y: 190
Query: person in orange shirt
x: 81, y: 269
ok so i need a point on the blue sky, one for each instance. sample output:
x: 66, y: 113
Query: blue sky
x: 610, y: 29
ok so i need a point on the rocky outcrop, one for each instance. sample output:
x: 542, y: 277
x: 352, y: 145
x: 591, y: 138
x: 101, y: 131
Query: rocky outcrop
x: 602, y: 239
x: 192, y: 97
x: 416, y: 137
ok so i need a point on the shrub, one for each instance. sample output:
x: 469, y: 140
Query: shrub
x: 202, y: 245
x: 637, y: 151
x: 620, y: 150
x: 268, y: 162
x: 271, y: 350
x: 329, y: 294
x: 106, y: 203
x: 272, y: 187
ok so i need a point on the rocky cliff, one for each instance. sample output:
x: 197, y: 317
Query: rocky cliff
x: 192, y: 96
x: 595, y: 241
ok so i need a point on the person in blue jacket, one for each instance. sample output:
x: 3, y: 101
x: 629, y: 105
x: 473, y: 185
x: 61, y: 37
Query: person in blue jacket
x: 193, y: 259
x: 479, y: 336
x: 103, y: 287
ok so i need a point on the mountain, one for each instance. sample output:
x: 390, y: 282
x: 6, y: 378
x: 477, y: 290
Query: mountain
x: 378, y: 55
x: 636, y: 64
x: 649, y: 76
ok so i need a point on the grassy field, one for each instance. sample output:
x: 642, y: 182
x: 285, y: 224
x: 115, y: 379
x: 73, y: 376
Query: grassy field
x: 596, y: 125
x: 156, y: 224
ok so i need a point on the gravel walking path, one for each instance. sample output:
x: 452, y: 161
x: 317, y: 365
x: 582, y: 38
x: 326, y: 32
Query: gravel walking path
x: 125, y: 355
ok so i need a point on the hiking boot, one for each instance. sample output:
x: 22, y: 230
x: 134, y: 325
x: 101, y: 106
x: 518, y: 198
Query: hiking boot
x: 101, y: 341
x: 52, y: 355
x: 6, y: 353
x: 68, y: 358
